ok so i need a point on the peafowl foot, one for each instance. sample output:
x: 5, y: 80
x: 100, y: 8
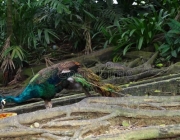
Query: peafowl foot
x: 48, y: 104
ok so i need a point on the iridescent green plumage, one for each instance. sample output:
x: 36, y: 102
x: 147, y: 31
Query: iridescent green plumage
x: 47, y: 82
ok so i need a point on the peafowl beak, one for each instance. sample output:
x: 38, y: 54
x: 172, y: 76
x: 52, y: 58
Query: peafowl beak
x: 3, y: 102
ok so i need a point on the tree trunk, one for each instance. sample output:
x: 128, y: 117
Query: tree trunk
x: 87, y: 36
x: 9, y: 18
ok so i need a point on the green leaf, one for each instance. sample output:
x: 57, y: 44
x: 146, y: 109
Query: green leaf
x: 51, y: 32
x: 164, y: 48
x: 127, y: 48
x: 130, y: 34
x: 169, y: 39
x: 150, y: 34
x: 111, y: 38
x: 157, y: 91
x: 127, y: 32
x: 159, y: 65
x: 174, y: 53
x: 105, y: 44
x: 142, y: 30
x: 39, y: 33
x: 59, y: 8
x: 94, y: 35
x: 29, y: 3
x: 125, y: 123
x: 174, y: 32
x: 89, y: 14
x: 12, y: 54
x: 34, y: 41
x: 177, y: 41
x: 174, y: 24
x: 46, y: 35
x: 140, y: 42
x: 19, y: 55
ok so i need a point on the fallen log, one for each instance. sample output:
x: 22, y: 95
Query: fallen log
x: 95, y: 116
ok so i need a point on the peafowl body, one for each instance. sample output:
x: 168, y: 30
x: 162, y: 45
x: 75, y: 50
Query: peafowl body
x: 49, y: 81
x: 46, y: 83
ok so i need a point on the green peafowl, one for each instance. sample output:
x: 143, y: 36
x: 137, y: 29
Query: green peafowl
x: 46, y: 83
x: 49, y: 81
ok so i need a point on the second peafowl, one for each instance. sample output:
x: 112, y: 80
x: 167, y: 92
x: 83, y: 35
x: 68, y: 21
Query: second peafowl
x: 51, y: 80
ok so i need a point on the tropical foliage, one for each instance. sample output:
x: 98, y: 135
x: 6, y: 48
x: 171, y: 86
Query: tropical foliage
x: 171, y: 47
x: 36, y: 26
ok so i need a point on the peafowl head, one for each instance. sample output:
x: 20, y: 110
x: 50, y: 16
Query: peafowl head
x: 3, y: 102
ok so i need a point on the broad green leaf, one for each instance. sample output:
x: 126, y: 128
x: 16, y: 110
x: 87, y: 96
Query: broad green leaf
x: 177, y: 41
x: 29, y: 3
x: 174, y: 24
x: 174, y: 53
x: 164, y: 49
x: 66, y: 10
x: 163, y: 46
x: 59, y: 8
x: 140, y: 42
x: 174, y: 32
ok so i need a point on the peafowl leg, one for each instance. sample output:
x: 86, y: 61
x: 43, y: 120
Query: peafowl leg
x: 3, y: 102
x: 48, y: 104
x: 2, y: 108
x: 86, y: 92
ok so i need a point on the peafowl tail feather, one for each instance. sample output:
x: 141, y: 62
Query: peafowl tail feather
x: 89, y: 79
